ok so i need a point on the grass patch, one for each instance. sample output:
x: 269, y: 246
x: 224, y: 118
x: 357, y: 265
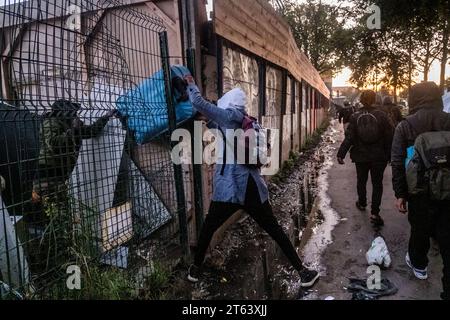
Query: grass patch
x: 96, y: 284
x: 72, y: 240
x: 105, y: 283
x: 156, y: 283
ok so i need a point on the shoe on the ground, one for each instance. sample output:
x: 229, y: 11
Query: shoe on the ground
x: 377, y: 220
x: 418, y: 273
x: 193, y: 273
x: 360, y: 207
x: 308, y: 278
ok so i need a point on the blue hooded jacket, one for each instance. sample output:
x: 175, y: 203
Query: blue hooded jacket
x: 230, y: 182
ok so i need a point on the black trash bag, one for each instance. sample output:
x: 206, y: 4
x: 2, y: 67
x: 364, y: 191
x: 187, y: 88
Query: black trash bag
x: 19, y: 155
x: 361, y: 292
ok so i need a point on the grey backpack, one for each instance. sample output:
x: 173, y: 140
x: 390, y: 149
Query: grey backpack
x: 428, y: 171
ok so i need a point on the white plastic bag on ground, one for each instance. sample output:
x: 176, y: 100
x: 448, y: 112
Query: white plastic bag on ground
x: 378, y: 254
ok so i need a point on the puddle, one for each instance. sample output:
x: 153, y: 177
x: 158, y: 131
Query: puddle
x: 313, y: 179
x: 327, y: 218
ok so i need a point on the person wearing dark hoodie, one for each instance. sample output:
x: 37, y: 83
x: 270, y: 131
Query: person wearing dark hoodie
x: 427, y: 217
x: 237, y: 186
x: 346, y: 113
x: 369, y: 139
x: 392, y: 111
x: 61, y: 136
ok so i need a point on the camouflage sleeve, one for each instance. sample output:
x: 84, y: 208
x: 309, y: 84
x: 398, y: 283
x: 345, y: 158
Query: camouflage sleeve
x: 54, y: 135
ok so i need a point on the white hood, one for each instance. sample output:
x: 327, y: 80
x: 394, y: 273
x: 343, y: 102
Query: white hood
x: 234, y: 99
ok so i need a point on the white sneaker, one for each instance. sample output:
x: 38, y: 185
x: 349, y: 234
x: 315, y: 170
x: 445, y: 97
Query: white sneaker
x: 193, y: 274
x: 418, y: 273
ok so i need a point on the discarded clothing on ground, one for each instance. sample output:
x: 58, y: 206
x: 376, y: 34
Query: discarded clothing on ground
x: 362, y: 292
x: 145, y: 107
x: 378, y: 254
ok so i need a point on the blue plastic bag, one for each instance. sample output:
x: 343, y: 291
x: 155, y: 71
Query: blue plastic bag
x: 145, y: 107
x: 409, y: 155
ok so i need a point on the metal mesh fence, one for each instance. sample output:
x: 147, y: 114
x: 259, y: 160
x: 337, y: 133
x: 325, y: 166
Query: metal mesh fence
x: 81, y: 184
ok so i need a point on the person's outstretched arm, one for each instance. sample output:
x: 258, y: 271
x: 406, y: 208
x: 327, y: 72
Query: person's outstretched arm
x: 95, y: 129
x: 209, y: 110
x: 54, y: 134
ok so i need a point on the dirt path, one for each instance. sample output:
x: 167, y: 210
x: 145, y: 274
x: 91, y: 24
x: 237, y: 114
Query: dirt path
x: 351, y: 238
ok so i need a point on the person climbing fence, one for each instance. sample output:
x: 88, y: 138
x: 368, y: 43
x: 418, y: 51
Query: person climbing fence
x: 237, y: 186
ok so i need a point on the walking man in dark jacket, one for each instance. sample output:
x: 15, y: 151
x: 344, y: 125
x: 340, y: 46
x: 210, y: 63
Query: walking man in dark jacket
x: 369, y: 139
x: 427, y: 217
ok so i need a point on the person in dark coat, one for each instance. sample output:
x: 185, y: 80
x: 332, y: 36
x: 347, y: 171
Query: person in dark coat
x: 369, y: 157
x: 61, y: 137
x: 392, y: 110
x: 426, y: 217
x: 346, y: 113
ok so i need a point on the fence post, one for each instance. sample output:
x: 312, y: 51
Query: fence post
x: 178, y: 171
x: 197, y: 168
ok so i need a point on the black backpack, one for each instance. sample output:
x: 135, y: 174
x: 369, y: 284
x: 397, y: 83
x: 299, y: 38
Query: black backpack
x: 428, y: 171
x: 367, y: 127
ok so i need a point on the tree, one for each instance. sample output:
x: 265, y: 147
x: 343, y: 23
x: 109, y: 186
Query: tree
x: 426, y: 37
x: 318, y: 31
x: 396, y: 72
x: 414, y: 34
x: 444, y: 13
x: 378, y: 57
